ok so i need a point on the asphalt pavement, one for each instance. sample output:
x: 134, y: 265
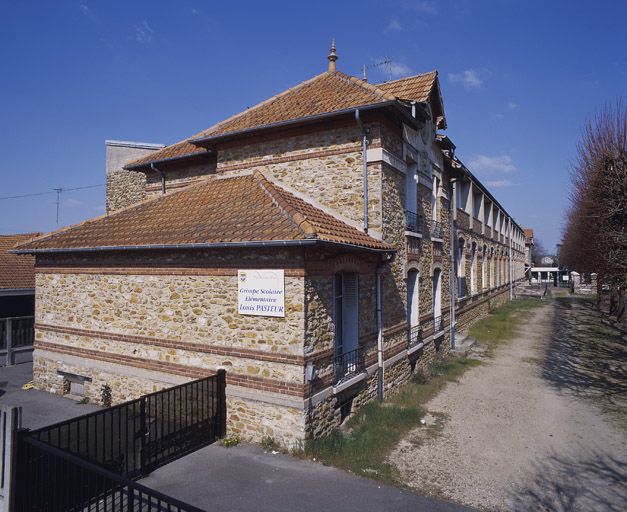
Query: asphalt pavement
x: 38, y: 407
x: 247, y: 478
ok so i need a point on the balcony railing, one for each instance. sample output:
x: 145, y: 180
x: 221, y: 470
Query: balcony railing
x: 348, y: 364
x: 414, y: 336
x: 437, y: 229
x: 438, y: 325
x: 413, y: 221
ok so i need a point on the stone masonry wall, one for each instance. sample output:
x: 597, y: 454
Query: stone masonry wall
x: 180, y: 320
x: 124, y: 188
x: 325, y: 166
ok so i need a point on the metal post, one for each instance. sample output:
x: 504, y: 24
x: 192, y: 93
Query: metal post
x: 452, y: 271
x: 143, y: 431
x: 8, y: 336
x: 222, y: 401
x: 10, y: 423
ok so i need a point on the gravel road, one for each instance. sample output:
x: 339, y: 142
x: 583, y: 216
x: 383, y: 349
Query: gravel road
x: 541, y: 426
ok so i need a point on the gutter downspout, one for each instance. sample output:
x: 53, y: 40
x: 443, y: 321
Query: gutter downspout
x: 379, y: 271
x: 162, y: 174
x: 511, y: 268
x: 364, y: 156
x: 380, y: 369
x: 452, y: 272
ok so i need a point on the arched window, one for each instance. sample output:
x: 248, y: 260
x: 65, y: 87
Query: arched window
x: 473, y: 274
x: 460, y: 269
x: 437, y: 300
x: 484, y: 255
x: 413, y: 305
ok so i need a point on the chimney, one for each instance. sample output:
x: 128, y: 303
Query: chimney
x: 125, y: 188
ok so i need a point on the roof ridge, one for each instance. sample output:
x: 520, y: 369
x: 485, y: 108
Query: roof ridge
x: 370, y: 87
x: 258, y: 105
x: 295, y: 216
x: 434, y: 71
x: 215, y: 126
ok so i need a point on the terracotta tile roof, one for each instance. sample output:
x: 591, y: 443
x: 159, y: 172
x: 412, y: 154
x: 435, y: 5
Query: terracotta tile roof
x: 325, y: 93
x: 418, y: 87
x: 237, y: 209
x: 528, y: 232
x: 16, y: 271
x: 424, y: 87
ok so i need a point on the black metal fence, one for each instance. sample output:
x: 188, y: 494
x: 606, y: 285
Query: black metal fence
x: 348, y: 364
x: 127, y: 440
x: 53, y: 480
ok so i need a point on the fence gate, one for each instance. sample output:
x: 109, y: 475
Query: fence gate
x: 89, y: 462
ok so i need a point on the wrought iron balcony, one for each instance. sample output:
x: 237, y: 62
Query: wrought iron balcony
x: 348, y: 364
x: 414, y: 336
x: 413, y: 221
x: 438, y: 325
x: 437, y: 229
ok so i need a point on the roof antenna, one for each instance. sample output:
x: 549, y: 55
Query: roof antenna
x: 58, y: 201
x: 332, y: 56
x: 365, y: 78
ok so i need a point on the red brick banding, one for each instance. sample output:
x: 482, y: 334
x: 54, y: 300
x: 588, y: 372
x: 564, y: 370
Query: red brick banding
x: 192, y: 372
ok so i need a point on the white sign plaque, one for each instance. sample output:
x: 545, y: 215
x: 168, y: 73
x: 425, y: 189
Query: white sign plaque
x: 261, y: 292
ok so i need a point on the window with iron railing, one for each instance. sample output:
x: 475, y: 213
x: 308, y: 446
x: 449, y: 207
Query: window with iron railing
x: 348, y: 364
x: 414, y: 335
x: 437, y: 230
x: 413, y: 221
x: 438, y: 325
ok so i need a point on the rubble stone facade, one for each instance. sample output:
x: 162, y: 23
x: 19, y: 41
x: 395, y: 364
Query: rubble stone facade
x: 149, y: 321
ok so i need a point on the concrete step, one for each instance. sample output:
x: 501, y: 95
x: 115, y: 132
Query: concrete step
x: 464, y: 344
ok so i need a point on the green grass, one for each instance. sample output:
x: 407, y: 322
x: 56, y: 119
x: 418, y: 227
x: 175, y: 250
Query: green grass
x: 377, y: 428
x: 501, y: 324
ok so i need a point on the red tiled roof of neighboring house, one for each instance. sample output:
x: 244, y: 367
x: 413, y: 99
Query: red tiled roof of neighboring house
x: 325, y: 93
x: 16, y: 272
x: 528, y: 232
x: 217, y: 211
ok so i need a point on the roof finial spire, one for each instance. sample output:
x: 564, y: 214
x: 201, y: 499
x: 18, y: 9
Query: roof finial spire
x: 365, y: 78
x: 332, y: 56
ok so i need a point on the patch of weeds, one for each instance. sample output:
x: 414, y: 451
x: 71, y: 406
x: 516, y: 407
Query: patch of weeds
x: 232, y: 440
x: 268, y: 443
x: 369, y: 435
x: 83, y: 401
x: 425, y: 386
x: 105, y: 395
x: 501, y: 324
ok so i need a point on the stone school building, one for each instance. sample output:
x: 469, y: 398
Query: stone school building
x: 319, y: 246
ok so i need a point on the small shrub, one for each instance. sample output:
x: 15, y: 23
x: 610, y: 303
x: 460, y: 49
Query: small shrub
x: 419, y: 377
x: 268, y: 443
x: 105, y: 395
x: 232, y: 440
x: 83, y: 401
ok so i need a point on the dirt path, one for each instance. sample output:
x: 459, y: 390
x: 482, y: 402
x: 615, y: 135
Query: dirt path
x: 541, y: 426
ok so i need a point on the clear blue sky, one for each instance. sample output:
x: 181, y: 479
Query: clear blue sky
x: 519, y: 78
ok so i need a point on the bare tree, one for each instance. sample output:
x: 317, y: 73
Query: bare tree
x: 595, y: 239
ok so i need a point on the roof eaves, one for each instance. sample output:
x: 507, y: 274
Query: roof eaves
x: 210, y: 245
x: 204, y: 141
x: 133, y: 167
